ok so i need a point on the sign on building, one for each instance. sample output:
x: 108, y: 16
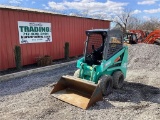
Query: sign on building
x: 34, y: 32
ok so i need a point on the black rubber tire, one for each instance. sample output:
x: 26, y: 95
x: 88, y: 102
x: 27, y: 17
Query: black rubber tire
x: 118, y: 79
x: 106, y: 84
x: 76, y: 73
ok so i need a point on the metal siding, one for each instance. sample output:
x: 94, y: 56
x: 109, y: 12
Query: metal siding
x: 1, y: 47
x: 59, y: 35
x: 69, y: 35
x: 4, y: 49
x: 50, y: 45
x: 55, y: 36
x: 62, y: 37
x: 7, y: 38
x: 80, y: 40
x: 72, y: 36
x: 75, y: 36
x: 54, y: 27
x: 64, y: 29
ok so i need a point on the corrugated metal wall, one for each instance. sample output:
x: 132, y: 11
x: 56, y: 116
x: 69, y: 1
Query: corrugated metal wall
x: 64, y: 29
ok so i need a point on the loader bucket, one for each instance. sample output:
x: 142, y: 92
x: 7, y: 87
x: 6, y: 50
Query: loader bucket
x: 77, y: 92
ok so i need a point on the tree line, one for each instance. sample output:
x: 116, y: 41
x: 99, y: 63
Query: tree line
x: 127, y: 21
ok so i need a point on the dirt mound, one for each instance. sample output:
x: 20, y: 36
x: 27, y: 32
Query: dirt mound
x: 144, y: 56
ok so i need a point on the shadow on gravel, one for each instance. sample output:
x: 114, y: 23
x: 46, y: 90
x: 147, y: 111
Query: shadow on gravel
x: 34, y: 81
x: 135, y: 92
x: 131, y: 92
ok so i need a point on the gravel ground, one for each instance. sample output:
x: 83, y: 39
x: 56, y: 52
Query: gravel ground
x: 142, y: 56
x: 28, y: 97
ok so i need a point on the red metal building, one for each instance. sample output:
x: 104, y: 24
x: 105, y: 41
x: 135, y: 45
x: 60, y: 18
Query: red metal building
x: 64, y: 29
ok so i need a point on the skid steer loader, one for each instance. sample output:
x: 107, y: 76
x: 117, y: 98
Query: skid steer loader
x: 102, y: 67
x: 130, y: 38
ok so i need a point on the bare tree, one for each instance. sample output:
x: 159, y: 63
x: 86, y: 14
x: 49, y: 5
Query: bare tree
x: 85, y: 13
x: 151, y: 24
x: 122, y: 19
x: 134, y: 23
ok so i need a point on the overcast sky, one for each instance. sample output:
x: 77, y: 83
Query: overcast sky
x: 143, y: 9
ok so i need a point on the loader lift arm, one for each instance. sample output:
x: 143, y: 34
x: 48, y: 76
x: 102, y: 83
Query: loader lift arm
x: 153, y: 37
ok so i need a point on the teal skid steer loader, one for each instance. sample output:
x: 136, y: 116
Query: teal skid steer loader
x: 102, y: 68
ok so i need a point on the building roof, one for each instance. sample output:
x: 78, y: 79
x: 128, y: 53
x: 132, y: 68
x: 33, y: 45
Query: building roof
x: 43, y: 11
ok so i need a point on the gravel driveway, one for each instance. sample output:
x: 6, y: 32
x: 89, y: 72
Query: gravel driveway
x: 28, y: 98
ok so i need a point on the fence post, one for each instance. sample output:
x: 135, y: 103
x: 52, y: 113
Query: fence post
x: 17, y: 54
x: 66, y: 50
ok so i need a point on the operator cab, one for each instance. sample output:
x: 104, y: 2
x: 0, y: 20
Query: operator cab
x: 102, y: 44
x: 130, y: 38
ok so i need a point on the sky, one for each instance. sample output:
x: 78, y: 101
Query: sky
x: 103, y: 9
